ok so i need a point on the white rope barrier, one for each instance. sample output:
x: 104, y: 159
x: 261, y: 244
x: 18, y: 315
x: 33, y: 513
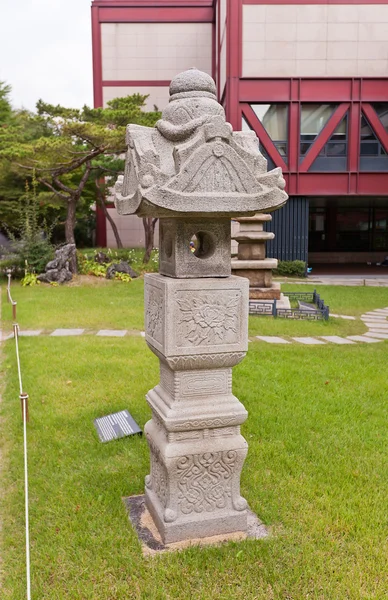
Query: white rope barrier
x: 24, y: 400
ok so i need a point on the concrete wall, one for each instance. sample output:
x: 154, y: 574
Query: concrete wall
x: 319, y: 40
x: 154, y: 51
x: 131, y: 231
x: 157, y: 95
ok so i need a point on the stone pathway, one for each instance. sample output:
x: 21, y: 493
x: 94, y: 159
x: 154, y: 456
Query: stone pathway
x: 375, y: 320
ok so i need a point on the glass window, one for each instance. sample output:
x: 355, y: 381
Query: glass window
x: 313, y: 118
x: 373, y: 157
x: 353, y: 219
x: 370, y: 145
x: 380, y: 236
x: 353, y: 229
x: 270, y: 164
x: 333, y: 156
x: 381, y: 109
x: 274, y: 118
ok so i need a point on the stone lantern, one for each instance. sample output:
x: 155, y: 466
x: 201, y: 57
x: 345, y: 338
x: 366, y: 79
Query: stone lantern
x: 194, y: 173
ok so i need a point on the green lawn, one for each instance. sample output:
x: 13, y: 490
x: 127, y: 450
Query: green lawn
x: 93, y: 304
x: 316, y: 473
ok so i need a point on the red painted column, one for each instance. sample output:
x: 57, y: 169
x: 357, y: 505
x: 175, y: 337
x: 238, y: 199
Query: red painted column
x: 233, y: 61
x: 354, y: 129
x: 97, y: 57
x: 100, y: 228
x: 293, y: 137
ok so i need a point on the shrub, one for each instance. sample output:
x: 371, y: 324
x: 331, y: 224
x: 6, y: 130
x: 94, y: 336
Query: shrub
x: 133, y: 256
x: 31, y: 249
x: 291, y: 268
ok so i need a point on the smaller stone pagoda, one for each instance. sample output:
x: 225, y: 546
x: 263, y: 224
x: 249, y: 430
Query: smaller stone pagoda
x: 251, y: 261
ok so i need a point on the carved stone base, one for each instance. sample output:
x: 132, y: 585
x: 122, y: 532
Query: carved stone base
x: 263, y: 293
x: 197, y: 451
x: 193, y: 490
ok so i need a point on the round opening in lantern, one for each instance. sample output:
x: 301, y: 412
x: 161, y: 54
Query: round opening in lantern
x: 202, y: 244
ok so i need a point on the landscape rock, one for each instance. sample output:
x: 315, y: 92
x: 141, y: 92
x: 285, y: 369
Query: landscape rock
x: 58, y: 270
x: 101, y: 258
x: 121, y: 267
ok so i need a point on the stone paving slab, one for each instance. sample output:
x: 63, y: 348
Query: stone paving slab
x: 309, y: 341
x: 336, y: 339
x: 376, y: 330
x: 363, y: 338
x: 383, y: 336
x: 383, y: 325
x: 7, y: 337
x: 374, y: 320
x: 64, y: 332
x: 30, y: 332
x: 272, y: 339
x: 348, y: 317
x: 112, y: 332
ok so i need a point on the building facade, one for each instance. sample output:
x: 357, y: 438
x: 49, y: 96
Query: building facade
x: 310, y: 78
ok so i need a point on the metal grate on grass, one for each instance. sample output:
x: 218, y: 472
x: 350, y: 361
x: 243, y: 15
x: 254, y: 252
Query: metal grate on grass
x: 116, y: 425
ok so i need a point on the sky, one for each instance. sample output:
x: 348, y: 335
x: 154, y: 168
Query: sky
x: 46, y: 52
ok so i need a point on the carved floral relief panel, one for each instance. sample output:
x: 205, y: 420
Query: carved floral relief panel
x: 208, y: 318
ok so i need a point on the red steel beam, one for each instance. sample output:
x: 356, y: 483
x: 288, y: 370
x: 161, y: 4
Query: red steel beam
x: 323, y: 137
x: 136, y: 83
x: 156, y: 15
x: 315, y: 1
x: 263, y: 136
x: 97, y: 58
x: 233, y: 60
x: 376, y: 124
x: 314, y: 90
x: 154, y: 3
x: 354, y: 127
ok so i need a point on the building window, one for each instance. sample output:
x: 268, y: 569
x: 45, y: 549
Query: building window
x: 333, y: 156
x: 270, y: 164
x: 313, y: 119
x: 274, y: 118
x: 380, y: 233
x: 340, y: 228
x: 373, y: 157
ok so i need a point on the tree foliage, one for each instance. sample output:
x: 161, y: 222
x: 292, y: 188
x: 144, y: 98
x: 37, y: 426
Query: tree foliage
x: 72, y: 152
x: 5, y: 103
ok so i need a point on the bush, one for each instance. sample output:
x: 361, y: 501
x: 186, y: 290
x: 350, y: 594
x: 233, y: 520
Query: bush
x: 30, y: 249
x: 291, y: 268
x: 133, y: 256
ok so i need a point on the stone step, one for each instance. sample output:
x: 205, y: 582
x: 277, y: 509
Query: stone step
x: 363, y: 338
x: 336, y: 339
x: 309, y: 341
x: 382, y: 336
x: 272, y: 339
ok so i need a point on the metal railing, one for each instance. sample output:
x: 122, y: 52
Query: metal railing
x: 9, y: 297
x: 319, y: 313
x: 23, y: 396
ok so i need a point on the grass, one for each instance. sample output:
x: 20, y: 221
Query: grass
x: 89, y: 302
x: 315, y: 473
x: 94, y: 303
